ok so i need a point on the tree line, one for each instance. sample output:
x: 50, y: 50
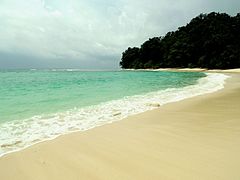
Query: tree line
x: 209, y: 41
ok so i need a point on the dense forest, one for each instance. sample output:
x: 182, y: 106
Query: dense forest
x: 209, y: 41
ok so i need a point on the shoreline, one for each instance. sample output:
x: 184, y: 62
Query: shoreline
x: 140, y: 104
x: 190, y: 70
x: 106, y: 150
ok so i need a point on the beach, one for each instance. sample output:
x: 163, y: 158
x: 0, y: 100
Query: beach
x: 196, y: 138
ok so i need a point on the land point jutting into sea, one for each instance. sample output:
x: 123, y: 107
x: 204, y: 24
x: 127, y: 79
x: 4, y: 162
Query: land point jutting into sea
x: 208, y: 41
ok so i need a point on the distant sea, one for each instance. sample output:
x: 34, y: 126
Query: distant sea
x: 38, y: 105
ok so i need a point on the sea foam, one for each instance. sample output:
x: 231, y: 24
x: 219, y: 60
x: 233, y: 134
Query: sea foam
x: 17, y: 135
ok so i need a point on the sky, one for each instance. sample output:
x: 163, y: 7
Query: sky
x: 89, y: 34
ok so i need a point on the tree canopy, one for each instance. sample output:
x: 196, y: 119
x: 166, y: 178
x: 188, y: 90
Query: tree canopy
x: 209, y: 41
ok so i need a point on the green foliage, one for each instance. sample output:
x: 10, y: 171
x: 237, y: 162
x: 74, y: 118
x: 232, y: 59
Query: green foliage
x: 209, y: 41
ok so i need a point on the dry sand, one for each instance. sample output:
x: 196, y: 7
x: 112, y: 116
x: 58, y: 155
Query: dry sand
x: 198, y: 138
x: 189, y: 70
x: 201, y: 70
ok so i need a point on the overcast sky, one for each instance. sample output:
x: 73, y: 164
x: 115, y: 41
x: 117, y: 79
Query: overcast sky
x: 89, y: 34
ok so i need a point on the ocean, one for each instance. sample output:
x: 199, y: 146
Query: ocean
x: 38, y: 105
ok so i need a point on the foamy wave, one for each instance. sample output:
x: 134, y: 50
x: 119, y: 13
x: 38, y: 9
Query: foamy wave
x: 21, y: 134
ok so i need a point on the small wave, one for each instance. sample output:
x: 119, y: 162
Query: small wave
x: 17, y: 135
x: 69, y: 70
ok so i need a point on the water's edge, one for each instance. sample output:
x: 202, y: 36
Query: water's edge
x: 87, y: 118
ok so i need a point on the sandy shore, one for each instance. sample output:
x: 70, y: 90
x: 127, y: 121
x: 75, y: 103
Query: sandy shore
x: 198, y: 138
x: 189, y: 70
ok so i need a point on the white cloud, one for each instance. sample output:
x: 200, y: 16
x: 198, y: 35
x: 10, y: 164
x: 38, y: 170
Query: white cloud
x: 77, y: 29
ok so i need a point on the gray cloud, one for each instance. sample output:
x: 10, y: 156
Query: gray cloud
x: 89, y: 34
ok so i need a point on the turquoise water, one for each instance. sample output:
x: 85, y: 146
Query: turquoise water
x: 24, y: 94
x: 38, y: 105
